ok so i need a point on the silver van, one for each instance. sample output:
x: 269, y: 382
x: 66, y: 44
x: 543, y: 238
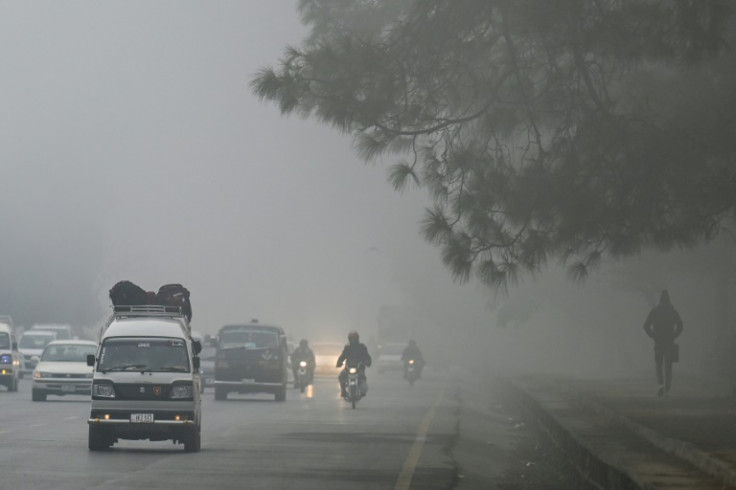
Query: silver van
x: 146, y: 381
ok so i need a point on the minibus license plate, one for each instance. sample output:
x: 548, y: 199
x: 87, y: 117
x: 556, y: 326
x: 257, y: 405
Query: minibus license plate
x: 141, y: 417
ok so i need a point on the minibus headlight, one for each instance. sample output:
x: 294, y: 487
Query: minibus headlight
x: 104, y: 390
x: 179, y: 391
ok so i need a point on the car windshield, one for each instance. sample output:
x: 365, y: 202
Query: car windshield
x: 4, y: 340
x: 144, y: 354
x: 249, y: 339
x: 36, y: 341
x: 67, y: 352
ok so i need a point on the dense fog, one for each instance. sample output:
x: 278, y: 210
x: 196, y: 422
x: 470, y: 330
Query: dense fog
x: 131, y: 147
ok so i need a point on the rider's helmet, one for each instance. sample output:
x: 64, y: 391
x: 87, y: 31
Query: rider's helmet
x: 353, y: 337
x: 303, y: 343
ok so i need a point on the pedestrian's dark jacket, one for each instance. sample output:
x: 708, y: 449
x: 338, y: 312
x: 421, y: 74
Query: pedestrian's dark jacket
x: 412, y: 352
x: 354, y: 354
x: 663, y: 323
x: 300, y: 354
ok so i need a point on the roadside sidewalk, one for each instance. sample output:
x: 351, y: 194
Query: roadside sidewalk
x: 621, y: 436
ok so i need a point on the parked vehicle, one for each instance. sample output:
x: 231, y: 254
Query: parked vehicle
x: 251, y: 358
x: 10, y: 358
x: 146, y: 382
x: 62, y: 369
x: 31, y: 345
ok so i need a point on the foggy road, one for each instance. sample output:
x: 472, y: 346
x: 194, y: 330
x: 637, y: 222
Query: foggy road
x: 397, y: 437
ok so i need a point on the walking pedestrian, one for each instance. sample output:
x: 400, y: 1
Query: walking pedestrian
x: 664, y: 325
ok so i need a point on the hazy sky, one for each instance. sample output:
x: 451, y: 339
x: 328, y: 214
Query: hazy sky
x: 132, y: 148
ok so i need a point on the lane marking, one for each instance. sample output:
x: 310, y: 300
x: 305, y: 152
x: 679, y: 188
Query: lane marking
x: 407, y: 472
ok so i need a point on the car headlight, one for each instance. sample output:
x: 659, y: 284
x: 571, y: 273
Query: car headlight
x: 5, y: 359
x: 41, y: 374
x: 104, y: 390
x: 179, y: 391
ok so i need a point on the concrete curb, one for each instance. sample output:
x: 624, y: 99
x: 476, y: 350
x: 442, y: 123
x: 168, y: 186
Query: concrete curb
x: 687, y: 451
x: 591, y: 468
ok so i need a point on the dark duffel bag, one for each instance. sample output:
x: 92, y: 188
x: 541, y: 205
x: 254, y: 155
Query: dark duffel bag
x: 128, y: 293
x: 175, y: 295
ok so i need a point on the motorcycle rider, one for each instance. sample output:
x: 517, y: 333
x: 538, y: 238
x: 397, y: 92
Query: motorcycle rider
x: 353, y: 354
x: 303, y: 353
x: 411, y: 351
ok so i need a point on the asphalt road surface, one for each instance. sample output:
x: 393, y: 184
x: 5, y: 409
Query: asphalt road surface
x: 439, y: 434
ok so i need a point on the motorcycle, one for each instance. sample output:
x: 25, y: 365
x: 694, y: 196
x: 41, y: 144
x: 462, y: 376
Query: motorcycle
x: 301, y: 376
x: 412, y: 374
x: 356, y: 385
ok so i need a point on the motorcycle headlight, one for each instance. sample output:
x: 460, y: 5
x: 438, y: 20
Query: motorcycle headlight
x: 179, y: 391
x: 103, y: 389
x: 303, y: 364
x: 353, y: 370
x: 411, y: 361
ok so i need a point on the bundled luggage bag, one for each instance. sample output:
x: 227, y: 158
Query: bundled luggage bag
x: 175, y: 295
x: 128, y: 294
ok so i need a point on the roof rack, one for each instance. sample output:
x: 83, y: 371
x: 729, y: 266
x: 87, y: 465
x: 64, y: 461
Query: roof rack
x: 147, y: 310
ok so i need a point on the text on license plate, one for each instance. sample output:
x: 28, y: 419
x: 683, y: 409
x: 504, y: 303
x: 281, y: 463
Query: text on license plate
x: 141, y: 417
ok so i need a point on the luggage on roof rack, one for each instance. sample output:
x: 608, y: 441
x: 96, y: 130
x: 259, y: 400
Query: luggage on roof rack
x: 175, y: 295
x: 128, y: 293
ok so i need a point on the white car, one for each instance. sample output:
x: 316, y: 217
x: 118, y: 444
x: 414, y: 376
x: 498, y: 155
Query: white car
x: 325, y: 357
x: 63, y: 370
x: 31, y: 346
x: 389, y: 357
